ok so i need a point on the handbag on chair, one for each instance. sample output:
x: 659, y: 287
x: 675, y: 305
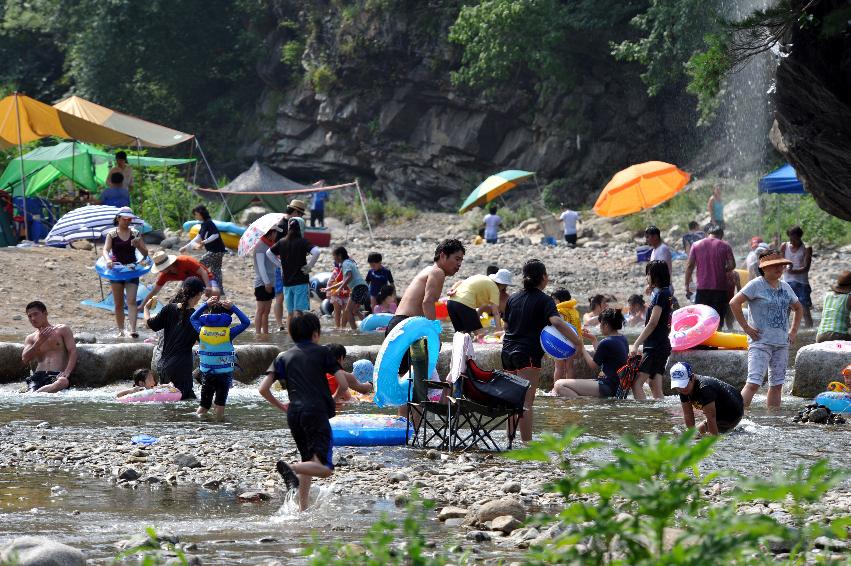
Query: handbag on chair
x: 495, y: 388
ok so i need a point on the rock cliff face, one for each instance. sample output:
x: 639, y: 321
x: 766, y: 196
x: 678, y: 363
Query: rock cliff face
x: 392, y: 118
x: 813, y: 116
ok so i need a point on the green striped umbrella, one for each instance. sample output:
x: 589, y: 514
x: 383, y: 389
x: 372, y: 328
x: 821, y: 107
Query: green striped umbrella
x: 494, y: 186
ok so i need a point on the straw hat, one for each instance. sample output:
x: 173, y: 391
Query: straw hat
x: 843, y: 283
x: 299, y: 205
x: 773, y: 259
x: 162, y: 261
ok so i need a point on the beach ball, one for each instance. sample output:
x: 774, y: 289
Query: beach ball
x: 555, y: 344
x: 362, y: 370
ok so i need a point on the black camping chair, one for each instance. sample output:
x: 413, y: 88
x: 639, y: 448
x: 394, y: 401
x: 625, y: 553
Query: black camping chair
x: 485, y: 401
x: 429, y: 422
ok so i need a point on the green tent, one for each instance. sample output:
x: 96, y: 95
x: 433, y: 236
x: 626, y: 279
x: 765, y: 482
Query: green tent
x: 87, y: 166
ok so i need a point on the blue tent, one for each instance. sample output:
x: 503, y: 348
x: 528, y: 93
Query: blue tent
x: 782, y: 181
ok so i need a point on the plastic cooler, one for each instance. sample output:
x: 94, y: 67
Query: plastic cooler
x: 318, y: 237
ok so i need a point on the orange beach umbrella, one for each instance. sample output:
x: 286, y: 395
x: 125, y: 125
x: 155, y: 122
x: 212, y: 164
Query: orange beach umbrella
x: 640, y: 187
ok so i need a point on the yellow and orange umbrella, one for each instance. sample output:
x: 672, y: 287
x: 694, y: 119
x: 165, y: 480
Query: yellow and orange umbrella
x: 640, y: 187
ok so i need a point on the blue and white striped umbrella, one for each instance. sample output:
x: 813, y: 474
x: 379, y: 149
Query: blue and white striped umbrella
x: 84, y: 223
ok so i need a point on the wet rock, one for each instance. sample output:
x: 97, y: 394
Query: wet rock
x: 170, y: 243
x: 253, y: 496
x: 43, y: 424
x: 266, y: 540
x: 452, y: 523
x: 186, y: 461
x: 102, y: 364
x: 11, y: 367
x: 128, y: 474
x: 831, y: 544
x: 450, y: 512
x: 254, y: 360
x: 478, y: 536
x: 85, y: 338
x: 816, y: 365
x: 493, y: 509
x: 212, y: 484
x: 39, y: 551
x: 397, y: 477
x: 819, y: 415
x: 730, y: 366
x: 511, y: 487
x: 432, y: 454
x: 505, y: 523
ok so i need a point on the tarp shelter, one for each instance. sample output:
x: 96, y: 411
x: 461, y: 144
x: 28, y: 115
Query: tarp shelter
x: 144, y: 133
x: 272, y: 189
x: 85, y: 165
x: 782, y: 181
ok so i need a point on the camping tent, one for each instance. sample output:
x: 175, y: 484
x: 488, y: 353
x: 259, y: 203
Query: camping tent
x: 85, y: 165
x: 782, y: 181
x: 144, y: 133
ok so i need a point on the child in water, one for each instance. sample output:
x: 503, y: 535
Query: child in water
x: 302, y: 369
x: 386, y: 300
x: 566, y: 305
x: 143, y: 379
x: 637, y: 310
x: 596, y: 305
x: 216, y: 352
x: 339, y: 353
x: 654, y: 337
x: 339, y: 296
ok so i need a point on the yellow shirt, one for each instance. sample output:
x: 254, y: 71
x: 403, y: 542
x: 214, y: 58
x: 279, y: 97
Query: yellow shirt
x: 568, y: 312
x: 476, y: 291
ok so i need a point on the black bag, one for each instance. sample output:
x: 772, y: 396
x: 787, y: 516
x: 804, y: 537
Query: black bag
x: 497, y: 389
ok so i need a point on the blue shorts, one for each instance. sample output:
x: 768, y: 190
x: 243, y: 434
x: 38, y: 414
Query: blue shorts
x: 279, y: 281
x: 803, y: 292
x: 297, y: 297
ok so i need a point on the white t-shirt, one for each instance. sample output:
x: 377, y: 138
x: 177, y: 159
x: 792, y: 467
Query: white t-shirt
x: 492, y: 222
x: 663, y: 253
x: 569, y: 217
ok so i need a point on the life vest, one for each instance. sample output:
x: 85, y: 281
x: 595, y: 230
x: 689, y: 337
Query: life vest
x: 216, y: 351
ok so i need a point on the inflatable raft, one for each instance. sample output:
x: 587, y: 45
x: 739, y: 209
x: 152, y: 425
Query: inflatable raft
x: 369, y: 430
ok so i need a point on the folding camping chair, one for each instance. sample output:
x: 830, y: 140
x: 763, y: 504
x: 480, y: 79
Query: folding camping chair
x: 483, y: 402
x: 429, y: 422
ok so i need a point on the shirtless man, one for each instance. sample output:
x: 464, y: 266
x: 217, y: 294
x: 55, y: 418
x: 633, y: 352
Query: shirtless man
x: 53, y: 349
x: 425, y: 289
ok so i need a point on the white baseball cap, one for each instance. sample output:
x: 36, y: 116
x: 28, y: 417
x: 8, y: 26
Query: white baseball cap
x: 680, y: 375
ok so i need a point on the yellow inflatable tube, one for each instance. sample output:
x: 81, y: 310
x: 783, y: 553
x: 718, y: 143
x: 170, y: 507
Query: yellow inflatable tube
x: 727, y: 340
x: 230, y: 240
x: 744, y: 276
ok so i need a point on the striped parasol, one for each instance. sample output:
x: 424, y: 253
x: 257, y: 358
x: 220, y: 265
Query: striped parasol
x: 251, y: 237
x: 84, y: 223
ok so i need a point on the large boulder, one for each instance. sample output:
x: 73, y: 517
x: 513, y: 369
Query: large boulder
x: 816, y: 365
x: 730, y: 366
x: 101, y: 364
x: 11, y: 367
x: 254, y: 360
x: 39, y: 551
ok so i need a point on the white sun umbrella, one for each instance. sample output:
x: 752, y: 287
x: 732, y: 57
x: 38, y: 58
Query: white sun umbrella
x: 251, y: 237
x: 84, y: 223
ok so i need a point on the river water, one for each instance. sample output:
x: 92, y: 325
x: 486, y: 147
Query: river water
x: 57, y: 501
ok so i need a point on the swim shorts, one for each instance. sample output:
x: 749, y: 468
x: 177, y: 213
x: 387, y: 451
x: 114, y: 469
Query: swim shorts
x: 803, y: 291
x: 312, y: 434
x: 653, y: 362
x: 360, y: 295
x: 215, y: 385
x: 297, y: 297
x: 39, y: 379
x: 762, y: 357
x: 262, y: 295
x: 570, y: 239
x: 464, y: 319
x: 513, y: 361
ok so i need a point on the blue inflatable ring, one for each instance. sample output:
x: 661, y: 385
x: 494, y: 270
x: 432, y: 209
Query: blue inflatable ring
x: 375, y: 322
x: 228, y: 227
x: 836, y: 401
x: 390, y: 389
x: 369, y: 430
x: 120, y: 272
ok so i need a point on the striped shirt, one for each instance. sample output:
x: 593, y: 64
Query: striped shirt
x: 834, y: 314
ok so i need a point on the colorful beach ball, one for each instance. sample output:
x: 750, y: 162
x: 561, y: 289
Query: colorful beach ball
x: 362, y: 370
x: 555, y: 344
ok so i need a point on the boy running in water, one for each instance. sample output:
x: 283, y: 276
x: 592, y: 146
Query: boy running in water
x: 216, y: 352
x: 302, y: 369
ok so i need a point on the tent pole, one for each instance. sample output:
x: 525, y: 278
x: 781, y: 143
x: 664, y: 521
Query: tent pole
x: 23, y: 175
x: 213, y: 177
x: 777, y: 217
x: 363, y: 205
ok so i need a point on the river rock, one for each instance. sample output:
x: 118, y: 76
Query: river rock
x: 170, y: 242
x: 816, y: 365
x: 505, y: 523
x: 730, y: 366
x: 511, y: 487
x: 493, y: 509
x: 11, y: 367
x: 102, y: 364
x: 186, y: 461
x: 254, y: 360
x: 85, y: 338
x: 450, y: 512
x: 39, y: 551
x: 253, y: 496
x: 128, y: 474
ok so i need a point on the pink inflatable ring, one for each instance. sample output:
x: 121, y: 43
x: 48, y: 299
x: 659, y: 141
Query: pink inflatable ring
x: 692, y: 325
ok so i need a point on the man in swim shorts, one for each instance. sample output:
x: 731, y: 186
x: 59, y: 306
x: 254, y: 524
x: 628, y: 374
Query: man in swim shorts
x: 52, y: 348
x: 721, y: 403
x: 420, y: 296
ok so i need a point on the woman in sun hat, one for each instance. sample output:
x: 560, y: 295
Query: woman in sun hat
x: 835, y: 311
x: 179, y: 268
x: 120, y: 247
x: 767, y: 326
